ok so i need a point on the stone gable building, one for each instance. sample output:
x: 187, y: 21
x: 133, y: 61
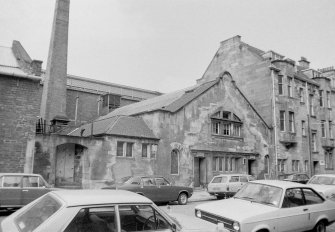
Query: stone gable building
x: 296, y: 101
x: 203, y: 130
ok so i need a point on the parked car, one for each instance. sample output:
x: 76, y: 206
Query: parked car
x: 301, y: 178
x: 324, y: 184
x: 19, y: 189
x: 97, y: 211
x: 156, y: 188
x: 271, y: 205
x: 226, y: 185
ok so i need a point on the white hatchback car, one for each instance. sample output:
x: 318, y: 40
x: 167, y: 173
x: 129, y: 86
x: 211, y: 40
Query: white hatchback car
x: 271, y: 205
x: 97, y: 211
x: 324, y: 184
x: 226, y: 185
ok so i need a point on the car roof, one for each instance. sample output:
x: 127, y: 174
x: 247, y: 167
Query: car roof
x: 18, y: 174
x: 98, y: 196
x: 236, y: 174
x: 330, y: 175
x: 280, y: 183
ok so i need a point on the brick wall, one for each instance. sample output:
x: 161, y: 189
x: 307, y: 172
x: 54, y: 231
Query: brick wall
x: 19, y: 108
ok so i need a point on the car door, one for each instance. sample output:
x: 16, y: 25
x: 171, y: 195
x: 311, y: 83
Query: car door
x: 149, y: 189
x: 234, y: 184
x: 32, y: 188
x: 314, y: 204
x: 294, y: 214
x: 165, y: 191
x: 10, y: 191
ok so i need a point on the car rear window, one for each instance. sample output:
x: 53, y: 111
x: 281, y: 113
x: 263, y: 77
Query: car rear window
x: 220, y: 179
x: 12, y: 181
x: 34, y: 216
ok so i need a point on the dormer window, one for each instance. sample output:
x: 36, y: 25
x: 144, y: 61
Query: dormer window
x: 225, y: 123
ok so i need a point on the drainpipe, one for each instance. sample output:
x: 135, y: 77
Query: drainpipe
x: 274, y: 122
x: 76, y: 113
x: 309, y: 131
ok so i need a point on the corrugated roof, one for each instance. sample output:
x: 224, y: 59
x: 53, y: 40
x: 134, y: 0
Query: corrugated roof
x: 170, y: 102
x: 117, y: 125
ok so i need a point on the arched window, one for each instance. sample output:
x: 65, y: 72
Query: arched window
x: 225, y: 123
x: 175, y: 162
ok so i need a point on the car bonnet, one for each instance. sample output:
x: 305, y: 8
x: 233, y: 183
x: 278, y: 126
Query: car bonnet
x: 236, y: 209
x: 193, y: 224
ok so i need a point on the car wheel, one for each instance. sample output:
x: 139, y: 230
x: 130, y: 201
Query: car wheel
x: 320, y: 227
x: 182, y: 199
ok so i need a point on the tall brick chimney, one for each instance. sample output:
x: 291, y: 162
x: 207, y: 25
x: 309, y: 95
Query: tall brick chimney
x: 53, y: 105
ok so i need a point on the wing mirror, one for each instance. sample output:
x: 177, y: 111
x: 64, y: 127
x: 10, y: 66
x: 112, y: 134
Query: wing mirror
x: 174, y: 227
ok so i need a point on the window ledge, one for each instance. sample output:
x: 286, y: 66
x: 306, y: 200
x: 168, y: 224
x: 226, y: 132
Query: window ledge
x: 125, y: 157
x: 329, y: 168
x: 227, y: 137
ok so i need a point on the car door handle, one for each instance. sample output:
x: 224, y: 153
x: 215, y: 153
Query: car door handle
x: 25, y: 190
x: 305, y: 209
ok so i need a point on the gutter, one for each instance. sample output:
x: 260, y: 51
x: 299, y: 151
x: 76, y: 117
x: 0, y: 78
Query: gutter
x: 26, y: 76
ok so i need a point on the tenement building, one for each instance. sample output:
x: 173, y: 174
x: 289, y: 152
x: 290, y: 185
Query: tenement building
x: 295, y: 100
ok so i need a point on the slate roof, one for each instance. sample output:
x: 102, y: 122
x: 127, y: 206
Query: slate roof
x: 170, y: 102
x: 118, y: 126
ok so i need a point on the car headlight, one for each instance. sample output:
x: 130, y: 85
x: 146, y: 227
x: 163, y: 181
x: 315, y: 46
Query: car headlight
x: 198, y: 213
x: 236, y: 226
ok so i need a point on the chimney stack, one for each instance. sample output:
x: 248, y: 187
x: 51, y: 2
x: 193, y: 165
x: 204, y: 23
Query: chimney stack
x: 36, y: 66
x: 303, y: 62
x: 53, y: 105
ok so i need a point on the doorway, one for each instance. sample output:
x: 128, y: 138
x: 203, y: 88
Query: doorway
x: 252, y: 169
x: 200, y: 172
x: 68, y: 165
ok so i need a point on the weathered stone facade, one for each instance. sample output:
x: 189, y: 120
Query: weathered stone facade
x: 190, y: 132
x: 282, y: 92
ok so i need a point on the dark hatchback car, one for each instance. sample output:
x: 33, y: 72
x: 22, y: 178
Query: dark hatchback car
x: 295, y: 177
x: 156, y: 188
x: 19, y: 189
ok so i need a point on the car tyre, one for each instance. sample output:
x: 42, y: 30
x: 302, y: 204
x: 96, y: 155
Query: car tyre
x: 320, y: 227
x: 182, y: 199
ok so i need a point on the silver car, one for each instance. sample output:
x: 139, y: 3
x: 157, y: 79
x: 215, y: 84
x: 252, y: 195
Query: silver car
x: 97, y: 211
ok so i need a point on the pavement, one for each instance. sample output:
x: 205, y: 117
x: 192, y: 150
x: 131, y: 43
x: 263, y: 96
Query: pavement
x: 200, y: 195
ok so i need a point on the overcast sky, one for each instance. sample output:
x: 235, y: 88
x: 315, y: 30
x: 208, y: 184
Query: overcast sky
x: 165, y: 45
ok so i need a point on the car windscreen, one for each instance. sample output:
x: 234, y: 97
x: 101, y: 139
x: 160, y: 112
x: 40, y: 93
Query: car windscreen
x: 34, y: 216
x: 327, y: 180
x: 261, y: 193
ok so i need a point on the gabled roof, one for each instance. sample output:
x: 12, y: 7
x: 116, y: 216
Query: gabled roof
x: 116, y: 125
x: 170, y: 102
